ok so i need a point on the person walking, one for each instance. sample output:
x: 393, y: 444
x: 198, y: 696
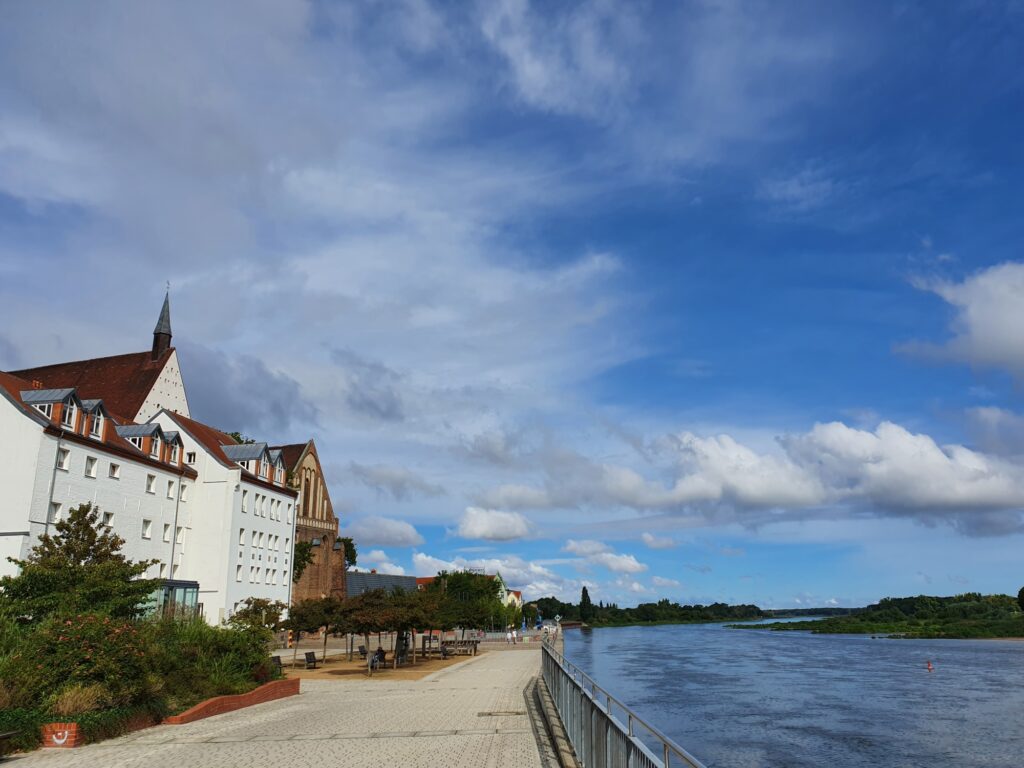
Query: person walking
x: 508, y: 637
x: 514, y: 636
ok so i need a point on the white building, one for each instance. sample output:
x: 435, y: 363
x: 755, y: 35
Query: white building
x: 58, y: 451
x: 242, y: 525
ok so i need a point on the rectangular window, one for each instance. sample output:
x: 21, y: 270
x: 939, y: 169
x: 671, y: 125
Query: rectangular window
x: 108, y: 518
x: 63, y: 458
x: 179, y: 534
x: 260, y: 545
x: 170, y: 489
x: 147, y: 529
x: 154, y: 448
x: 253, y: 542
x: 96, y: 430
x: 54, y: 512
x: 245, y: 501
x: 241, y: 537
x: 67, y: 418
x: 289, y: 511
x: 150, y: 483
x: 238, y: 573
x: 114, y: 471
x: 167, y: 531
x: 253, y: 574
x: 174, y: 572
x: 262, y: 465
x: 266, y: 577
x: 183, y: 493
x: 163, y: 570
x: 174, y: 455
x: 190, y: 457
x: 90, y: 466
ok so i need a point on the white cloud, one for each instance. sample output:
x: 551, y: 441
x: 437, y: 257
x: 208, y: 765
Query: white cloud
x: 399, y: 482
x: 586, y: 547
x: 381, y: 562
x: 657, y: 542
x: 599, y: 553
x: 533, y: 579
x: 989, y: 315
x: 660, y: 581
x: 492, y: 525
x: 382, y: 531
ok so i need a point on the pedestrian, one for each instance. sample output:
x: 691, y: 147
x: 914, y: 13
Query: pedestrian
x: 508, y: 638
x: 514, y: 636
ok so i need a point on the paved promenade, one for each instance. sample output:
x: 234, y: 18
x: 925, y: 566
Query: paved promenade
x: 472, y: 714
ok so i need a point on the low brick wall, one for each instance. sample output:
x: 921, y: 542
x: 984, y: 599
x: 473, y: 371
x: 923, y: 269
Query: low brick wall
x: 218, y: 705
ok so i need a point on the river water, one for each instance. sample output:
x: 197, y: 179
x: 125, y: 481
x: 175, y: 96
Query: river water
x: 753, y: 699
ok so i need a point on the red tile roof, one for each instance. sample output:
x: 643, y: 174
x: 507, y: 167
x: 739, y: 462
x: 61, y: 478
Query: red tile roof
x: 290, y: 454
x: 122, y: 382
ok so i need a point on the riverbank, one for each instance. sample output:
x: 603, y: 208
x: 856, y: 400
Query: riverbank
x: 472, y: 713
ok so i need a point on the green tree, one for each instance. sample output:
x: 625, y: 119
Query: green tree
x: 586, y: 607
x: 78, y: 569
x: 350, y: 551
x: 302, y: 558
x: 1020, y: 598
x: 258, y: 612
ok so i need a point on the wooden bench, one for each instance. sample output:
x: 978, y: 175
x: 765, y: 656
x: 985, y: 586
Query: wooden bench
x: 310, y: 659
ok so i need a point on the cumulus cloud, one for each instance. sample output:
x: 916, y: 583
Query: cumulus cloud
x: 989, y: 315
x: 657, y: 542
x: 492, y: 525
x: 586, y: 547
x: 660, y: 581
x: 399, y: 482
x: 381, y: 562
x: 382, y: 531
x: 599, y: 553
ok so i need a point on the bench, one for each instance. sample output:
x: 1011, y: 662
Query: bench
x: 362, y: 651
x: 7, y: 736
x: 310, y: 659
x: 275, y: 662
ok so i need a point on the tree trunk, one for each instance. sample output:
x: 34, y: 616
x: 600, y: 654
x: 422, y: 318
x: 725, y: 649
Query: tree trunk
x: 324, y: 659
x: 295, y: 648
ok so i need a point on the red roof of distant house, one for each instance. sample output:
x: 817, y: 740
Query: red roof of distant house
x: 425, y: 580
x: 290, y: 454
x: 122, y: 382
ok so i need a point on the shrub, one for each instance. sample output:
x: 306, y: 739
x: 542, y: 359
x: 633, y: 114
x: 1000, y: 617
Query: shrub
x: 78, y: 698
x: 27, y: 722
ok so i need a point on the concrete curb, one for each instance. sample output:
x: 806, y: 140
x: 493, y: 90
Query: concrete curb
x: 563, y: 754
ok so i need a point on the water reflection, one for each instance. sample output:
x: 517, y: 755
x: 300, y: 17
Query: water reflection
x: 743, y: 699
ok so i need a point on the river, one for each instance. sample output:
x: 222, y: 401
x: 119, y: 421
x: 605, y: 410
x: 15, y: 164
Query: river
x: 753, y: 699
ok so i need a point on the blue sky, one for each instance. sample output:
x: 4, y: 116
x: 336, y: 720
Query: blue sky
x: 707, y: 300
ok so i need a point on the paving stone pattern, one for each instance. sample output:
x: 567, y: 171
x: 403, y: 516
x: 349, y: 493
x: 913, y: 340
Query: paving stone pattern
x: 472, y: 714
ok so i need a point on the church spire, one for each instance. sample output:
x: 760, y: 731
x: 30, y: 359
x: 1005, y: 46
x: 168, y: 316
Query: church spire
x: 162, y: 332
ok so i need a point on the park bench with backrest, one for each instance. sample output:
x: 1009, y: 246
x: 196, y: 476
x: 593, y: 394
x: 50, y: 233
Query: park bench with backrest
x: 310, y: 659
x: 362, y: 651
x: 275, y: 661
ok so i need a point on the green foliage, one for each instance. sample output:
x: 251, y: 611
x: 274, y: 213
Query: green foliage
x: 27, y: 722
x: 351, y: 554
x: 258, y: 612
x: 661, y: 612
x: 586, y: 607
x: 60, y: 653
x: 78, y: 569
x: 239, y: 438
x: 302, y: 558
x: 970, y: 615
x: 1020, y: 598
x: 468, y: 600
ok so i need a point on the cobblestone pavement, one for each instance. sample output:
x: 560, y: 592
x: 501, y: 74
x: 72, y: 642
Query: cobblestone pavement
x: 472, y: 714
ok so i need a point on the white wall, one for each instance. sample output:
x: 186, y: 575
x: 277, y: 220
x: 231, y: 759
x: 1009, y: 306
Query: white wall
x: 168, y: 392
x: 20, y: 446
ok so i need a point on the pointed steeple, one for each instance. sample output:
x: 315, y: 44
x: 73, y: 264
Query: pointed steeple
x: 162, y: 332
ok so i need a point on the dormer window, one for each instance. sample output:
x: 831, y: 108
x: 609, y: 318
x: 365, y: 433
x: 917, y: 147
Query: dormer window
x: 263, y: 469
x: 45, y: 408
x: 174, y: 454
x: 154, y: 448
x: 67, y: 418
x: 136, y: 441
x: 244, y: 465
x: 96, y: 430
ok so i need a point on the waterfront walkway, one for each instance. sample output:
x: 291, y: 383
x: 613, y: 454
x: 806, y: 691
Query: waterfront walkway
x: 471, y: 714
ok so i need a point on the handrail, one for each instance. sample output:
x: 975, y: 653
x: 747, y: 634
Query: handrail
x: 603, y: 701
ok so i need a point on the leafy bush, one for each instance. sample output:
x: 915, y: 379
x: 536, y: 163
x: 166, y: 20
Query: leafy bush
x: 78, y: 698
x: 27, y: 722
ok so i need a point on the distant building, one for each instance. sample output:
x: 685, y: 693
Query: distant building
x: 362, y: 581
x: 316, y: 523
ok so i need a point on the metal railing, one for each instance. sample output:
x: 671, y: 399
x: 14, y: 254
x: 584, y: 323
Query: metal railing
x: 603, y: 731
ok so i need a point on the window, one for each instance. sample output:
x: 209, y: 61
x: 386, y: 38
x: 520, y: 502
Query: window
x: 266, y: 577
x: 262, y: 466
x: 253, y: 542
x: 136, y: 441
x: 263, y: 506
x: 90, y: 466
x: 273, y: 577
x: 170, y: 489
x: 163, y: 570
x: 44, y: 408
x: 174, y: 455
x: 238, y: 573
x: 67, y: 418
x: 243, y: 464
x: 147, y: 529
x: 54, y: 512
x: 150, y: 483
x: 96, y: 430
x: 174, y: 571
x: 63, y: 459
x: 179, y: 534
x: 183, y: 493
x: 114, y: 471
x: 252, y: 574
x: 167, y: 531
x: 241, y: 537
x: 245, y: 501
x: 108, y: 518
x: 289, y: 510
x: 154, y: 447
x: 190, y: 457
